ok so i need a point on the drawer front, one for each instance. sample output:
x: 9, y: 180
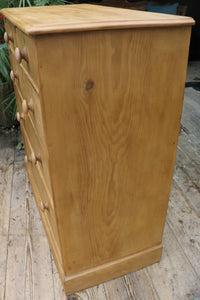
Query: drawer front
x: 11, y: 34
x: 46, y: 213
x: 39, y: 149
x: 42, y: 194
x: 30, y: 97
x: 25, y: 54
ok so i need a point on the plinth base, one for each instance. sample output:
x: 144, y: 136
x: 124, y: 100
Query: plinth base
x: 112, y: 270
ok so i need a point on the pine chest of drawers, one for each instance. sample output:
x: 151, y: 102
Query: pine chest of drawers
x: 99, y: 94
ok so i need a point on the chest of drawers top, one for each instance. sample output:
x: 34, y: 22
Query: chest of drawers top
x: 84, y: 17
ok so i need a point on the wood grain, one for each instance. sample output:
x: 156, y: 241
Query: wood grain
x: 83, y: 17
x: 136, y: 285
x: 185, y: 223
x: 108, y: 166
x: 39, y: 148
x: 6, y: 185
x: 187, y: 171
x: 22, y: 273
x: 11, y: 31
x: 169, y: 275
x: 110, y: 122
x: 169, y: 279
x: 26, y: 43
x: 191, y: 116
x: 112, y: 270
x: 95, y: 293
x: 42, y: 197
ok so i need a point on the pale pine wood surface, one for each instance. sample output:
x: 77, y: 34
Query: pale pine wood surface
x: 27, y: 269
x: 108, y: 181
x: 81, y: 17
x: 101, y: 124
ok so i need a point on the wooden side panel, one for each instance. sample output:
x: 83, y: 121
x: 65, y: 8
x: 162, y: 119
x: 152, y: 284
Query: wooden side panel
x: 112, y: 104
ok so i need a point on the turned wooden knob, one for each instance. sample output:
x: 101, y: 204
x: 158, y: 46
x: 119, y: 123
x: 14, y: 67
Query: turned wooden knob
x: 34, y: 158
x: 13, y: 75
x: 20, y: 116
x: 19, y: 55
x: 44, y: 206
x: 27, y: 106
x: 26, y: 159
x: 8, y: 37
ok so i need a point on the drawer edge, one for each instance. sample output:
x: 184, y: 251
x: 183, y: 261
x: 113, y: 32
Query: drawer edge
x: 47, y: 226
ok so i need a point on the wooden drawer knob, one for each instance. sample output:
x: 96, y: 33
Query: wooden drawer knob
x: 26, y: 106
x: 33, y: 158
x: 26, y: 159
x: 8, y: 37
x: 13, y: 75
x: 44, y: 206
x: 20, y: 116
x: 19, y: 55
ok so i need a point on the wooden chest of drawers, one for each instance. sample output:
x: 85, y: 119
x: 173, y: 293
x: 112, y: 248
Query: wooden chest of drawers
x: 99, y: 93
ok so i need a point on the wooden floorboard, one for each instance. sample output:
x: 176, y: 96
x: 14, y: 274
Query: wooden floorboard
x: 7, y: 153
x: 184, y: 221
x: 27, y: 268
x: 173, y: 276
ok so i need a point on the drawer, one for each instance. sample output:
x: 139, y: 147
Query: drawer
x: 26, y: 57
x: 29, y: 97
x: 44, y: 201
x: 14, y: 65
x: 39, y: 153
x: 39, y: 149
x: 43, y: 197
x: 46, y: 212
x: 10, y: 34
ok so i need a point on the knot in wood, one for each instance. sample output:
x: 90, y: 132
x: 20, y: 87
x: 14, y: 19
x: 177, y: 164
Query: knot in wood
x: 89, y: 85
